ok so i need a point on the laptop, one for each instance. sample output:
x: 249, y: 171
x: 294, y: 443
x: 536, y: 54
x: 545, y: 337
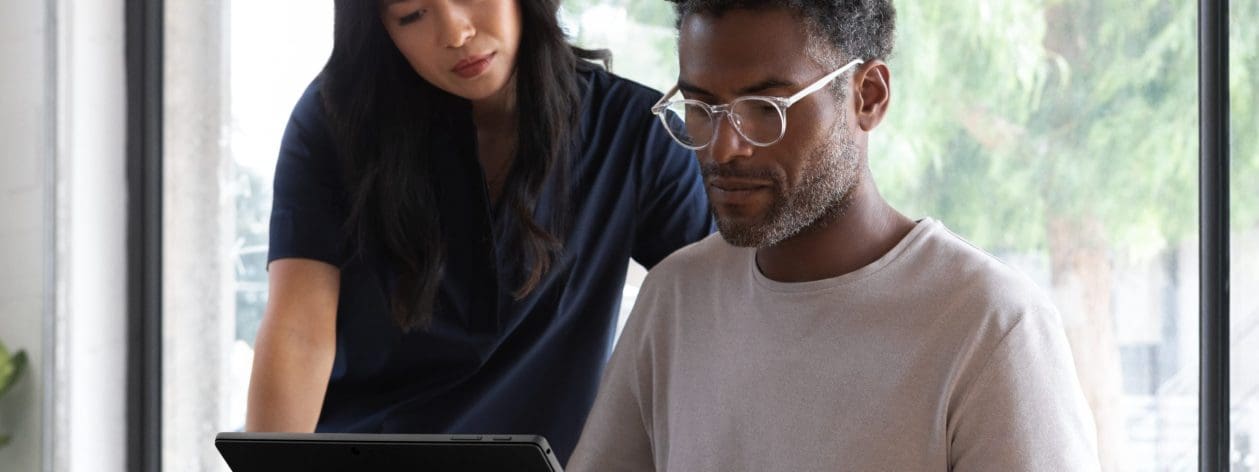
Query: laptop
x: 337, y: 452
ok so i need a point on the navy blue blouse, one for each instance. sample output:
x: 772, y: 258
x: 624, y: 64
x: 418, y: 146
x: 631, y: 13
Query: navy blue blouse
x: 490, y: 363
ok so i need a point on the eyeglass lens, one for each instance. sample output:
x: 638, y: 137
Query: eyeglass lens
x: 757, y: 120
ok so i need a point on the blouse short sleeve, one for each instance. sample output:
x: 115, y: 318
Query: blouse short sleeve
x: 673, y: 206
x: 308, y: 207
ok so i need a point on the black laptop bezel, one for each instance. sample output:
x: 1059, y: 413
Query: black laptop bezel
x: 233, y: 441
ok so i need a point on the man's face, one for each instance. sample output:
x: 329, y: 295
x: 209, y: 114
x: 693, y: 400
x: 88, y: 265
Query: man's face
x: 764, y: 195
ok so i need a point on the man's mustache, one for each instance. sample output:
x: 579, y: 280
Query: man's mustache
x: 735, y: 170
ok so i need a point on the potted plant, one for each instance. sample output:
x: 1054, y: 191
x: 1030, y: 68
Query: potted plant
x: 11, y: 367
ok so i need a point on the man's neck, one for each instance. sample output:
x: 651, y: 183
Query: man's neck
x: 865, y: 231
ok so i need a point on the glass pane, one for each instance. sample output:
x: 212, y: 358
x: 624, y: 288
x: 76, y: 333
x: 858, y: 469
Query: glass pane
x: 1244, y: 283
x: 1062, y: 137
x: 1095, y: 201
x: 234, y: 70
x: 640, y: 34
x: 1066, y: 145
x: 270, y: 68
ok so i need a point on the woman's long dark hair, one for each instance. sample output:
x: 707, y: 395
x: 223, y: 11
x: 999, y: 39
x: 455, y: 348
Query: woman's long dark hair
x: 382, y: 116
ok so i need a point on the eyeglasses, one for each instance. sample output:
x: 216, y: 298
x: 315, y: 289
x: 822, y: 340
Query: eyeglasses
x: 759, y: 120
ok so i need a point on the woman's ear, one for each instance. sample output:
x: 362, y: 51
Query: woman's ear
x: 872, y: 93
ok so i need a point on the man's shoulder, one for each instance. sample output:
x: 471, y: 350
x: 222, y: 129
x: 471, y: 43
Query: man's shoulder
x: 704, y: 259
x: 977, y: 283
x: 702, y: 255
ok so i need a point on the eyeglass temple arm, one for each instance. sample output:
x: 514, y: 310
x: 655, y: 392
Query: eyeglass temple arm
x: 660, y: 104
x: 821, y: 82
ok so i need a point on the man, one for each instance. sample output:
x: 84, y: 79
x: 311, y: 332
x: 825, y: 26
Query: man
x: 823, y: 330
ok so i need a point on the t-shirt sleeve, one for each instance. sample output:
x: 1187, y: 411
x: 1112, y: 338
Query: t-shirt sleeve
x: 307, y: 210
x: 672, y: 204
x: 617, y: 437
x: 1025, y: 409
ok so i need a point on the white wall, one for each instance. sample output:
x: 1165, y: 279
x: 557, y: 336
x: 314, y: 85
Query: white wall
x: 25, y: 152
x: 62, y: 232
x: 90, y: 422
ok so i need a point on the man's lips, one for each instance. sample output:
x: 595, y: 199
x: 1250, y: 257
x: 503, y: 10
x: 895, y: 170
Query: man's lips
x: 732, y: 184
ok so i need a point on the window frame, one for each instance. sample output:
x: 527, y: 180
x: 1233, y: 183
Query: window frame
x: 144, y: 50
x: 1214, y: 432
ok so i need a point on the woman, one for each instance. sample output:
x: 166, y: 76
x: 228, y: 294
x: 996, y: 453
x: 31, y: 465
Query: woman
x: 456, y: 200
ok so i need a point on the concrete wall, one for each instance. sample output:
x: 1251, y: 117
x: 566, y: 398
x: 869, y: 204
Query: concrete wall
x: 198, y: 302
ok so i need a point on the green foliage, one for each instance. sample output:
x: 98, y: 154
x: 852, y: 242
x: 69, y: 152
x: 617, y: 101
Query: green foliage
x: 646, y: 12
x: 11, y: 368
x: 640, y: 34
x: 1008, y: 114
x: 1243, y: 82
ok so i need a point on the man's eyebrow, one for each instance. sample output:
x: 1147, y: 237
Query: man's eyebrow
x: 765, y: 85
x: 759, y: 87
x: 692, y: 89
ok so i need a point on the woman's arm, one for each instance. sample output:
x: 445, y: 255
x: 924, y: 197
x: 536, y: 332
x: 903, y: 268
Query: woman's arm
x: 672, y: 203
x: 295, y: 347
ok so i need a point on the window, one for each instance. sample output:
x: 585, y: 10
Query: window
x: 1244, y: 232
x: 1062, y: 137
x: 233, y: 75
x: 1037, y: 141
x: 1033, y: 140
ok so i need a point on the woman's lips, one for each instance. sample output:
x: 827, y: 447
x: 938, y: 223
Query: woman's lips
x: 473, y: 66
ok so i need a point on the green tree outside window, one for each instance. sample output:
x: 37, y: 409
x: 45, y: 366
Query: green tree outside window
x: 1061, y: 128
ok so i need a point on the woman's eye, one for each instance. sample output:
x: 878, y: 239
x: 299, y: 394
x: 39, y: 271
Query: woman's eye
x: 412, y: 18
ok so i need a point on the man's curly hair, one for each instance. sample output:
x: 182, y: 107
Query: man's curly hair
x: 857, y: 29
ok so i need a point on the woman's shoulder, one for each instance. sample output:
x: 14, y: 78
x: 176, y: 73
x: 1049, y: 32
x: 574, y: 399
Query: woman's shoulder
x: 308, y: 125
x: 310, y: 106
x: 307, y: 137
x: 605, y: 90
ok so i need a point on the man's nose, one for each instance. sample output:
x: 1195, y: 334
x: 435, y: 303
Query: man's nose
x: 727, y: 143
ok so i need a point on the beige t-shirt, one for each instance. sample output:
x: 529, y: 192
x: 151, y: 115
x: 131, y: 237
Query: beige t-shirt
x: 935, y: 357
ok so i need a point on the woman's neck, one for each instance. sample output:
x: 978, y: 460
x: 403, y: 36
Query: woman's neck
x: 496, y: 114
x: 495, y: 121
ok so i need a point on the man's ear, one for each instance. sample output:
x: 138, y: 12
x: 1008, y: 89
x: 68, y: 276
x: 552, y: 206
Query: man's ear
x: 872, y: 93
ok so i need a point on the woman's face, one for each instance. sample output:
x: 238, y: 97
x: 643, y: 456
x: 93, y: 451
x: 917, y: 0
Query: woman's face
x: 465, y: 47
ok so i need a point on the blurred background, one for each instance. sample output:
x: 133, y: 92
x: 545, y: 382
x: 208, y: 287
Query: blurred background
x: 1059, y: 135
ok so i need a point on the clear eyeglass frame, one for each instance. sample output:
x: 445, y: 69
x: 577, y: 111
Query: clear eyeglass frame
x: 716, y: 112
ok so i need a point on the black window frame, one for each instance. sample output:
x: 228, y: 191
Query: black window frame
x: 1214, y: 432
x: 144, y: 49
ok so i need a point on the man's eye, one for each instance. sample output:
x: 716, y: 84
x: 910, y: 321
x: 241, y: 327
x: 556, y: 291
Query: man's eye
x: 412, y: 18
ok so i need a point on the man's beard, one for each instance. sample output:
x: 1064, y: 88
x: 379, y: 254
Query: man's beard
x: 829, y: 176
